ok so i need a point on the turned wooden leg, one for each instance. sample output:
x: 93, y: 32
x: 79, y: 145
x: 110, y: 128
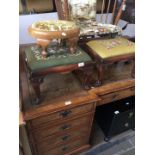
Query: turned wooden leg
x: 87, y: 80
x: 43, y: 43
x: 90, y: 81
x: 85, y: 75
x: 100, y: 71
x: 44, y: 53
x: 72, y: 43
x: 36, y: 81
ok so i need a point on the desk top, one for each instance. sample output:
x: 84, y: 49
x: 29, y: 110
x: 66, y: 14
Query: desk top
x: 58, y: 88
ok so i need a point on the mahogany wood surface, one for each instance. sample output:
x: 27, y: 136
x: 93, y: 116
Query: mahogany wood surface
x: 46, y: 117
x: 80, y: 150
x: 98, y: 59
x: 118, y: 78
x: 37, y: 77
x: 100, y: 62
x: 55, y: 118
x: 46, y: 131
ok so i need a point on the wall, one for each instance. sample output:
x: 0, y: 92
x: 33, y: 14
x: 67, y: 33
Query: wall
x: 26, y: 20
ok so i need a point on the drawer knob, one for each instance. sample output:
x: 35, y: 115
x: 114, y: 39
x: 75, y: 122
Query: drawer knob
x: 65, y: 113
x: 65, y: 126
x: 64, y: 148
x: 114, y: 96
x: 65, y: 137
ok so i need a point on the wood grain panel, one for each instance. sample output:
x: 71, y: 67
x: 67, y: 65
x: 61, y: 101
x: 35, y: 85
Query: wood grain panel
x: 107, y: 98
x: 64, y: 149
x: 62, y: 139
x: 61, y: 128
x: 62, y: 115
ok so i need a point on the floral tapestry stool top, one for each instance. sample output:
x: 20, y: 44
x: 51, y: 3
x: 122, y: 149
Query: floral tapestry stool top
x: 59, y: 60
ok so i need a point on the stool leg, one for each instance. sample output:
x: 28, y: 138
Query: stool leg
x: 88, y: 71
x: 100, y: 71
x: 43, y: 43
x: 86, y: 83
x: 72, y: 43
x: 85, y: 75
x: 36, y: 86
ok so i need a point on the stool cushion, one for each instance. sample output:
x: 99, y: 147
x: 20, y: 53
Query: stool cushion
x: 56, y: 58
x: 107, y: 48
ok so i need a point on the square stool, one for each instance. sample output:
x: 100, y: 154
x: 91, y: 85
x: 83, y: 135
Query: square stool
x: 59, y: 62
x: 106, y: 51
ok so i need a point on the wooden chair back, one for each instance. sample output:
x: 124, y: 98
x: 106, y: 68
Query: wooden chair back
x: 64, y: 13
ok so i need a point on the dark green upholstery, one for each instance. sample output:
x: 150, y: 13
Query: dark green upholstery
x: 59, y: 58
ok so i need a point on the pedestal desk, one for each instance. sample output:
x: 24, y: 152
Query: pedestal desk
x: 62, y: 123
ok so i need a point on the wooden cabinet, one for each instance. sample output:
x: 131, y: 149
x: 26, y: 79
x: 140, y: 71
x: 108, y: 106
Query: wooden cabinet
x: 63, y: 114
x: 60, y: 132
x: 61, y: 124
x: 68, y: 147
x: 60, y: 127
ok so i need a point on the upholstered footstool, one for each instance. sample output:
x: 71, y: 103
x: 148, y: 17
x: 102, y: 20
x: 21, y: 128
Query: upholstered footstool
x: 104, y: 51
x: 59, y: 60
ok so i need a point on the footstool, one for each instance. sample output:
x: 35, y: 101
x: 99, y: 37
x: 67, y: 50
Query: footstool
x: 106, y: 51
x: 60, y: 61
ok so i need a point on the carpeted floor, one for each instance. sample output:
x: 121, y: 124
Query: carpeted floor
x: 122, y: 144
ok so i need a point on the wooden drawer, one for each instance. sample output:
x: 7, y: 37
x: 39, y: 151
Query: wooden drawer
x: 61, y: 150
x: 58, y: 140
x: 110, y: 97
x: 44, y: 132
x: 62, y: 115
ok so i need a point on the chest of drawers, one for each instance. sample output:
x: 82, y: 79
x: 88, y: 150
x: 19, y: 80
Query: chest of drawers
x: 59, y: 131
x: 62, y: 123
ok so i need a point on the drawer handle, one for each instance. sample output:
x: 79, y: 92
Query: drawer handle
x: 65, y: 137
x: 66, y: 126
x: 65, y: 113
x: 114, y: 96
x: 132, y: 89
x: 65, y: 148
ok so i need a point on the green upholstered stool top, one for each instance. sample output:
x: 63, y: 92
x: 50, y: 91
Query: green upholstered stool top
x: 57, y: 57
x: 107, y: 48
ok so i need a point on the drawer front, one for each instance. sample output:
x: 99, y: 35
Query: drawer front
x: 65, y: 148
x: 116, y: 96
x: 59, y: 140
x: 44, y: 132
x: 62, y: 115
